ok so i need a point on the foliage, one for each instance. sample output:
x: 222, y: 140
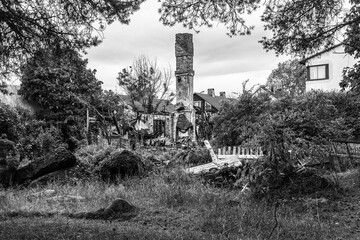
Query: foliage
x: 193, y: 14
x: 107, y: 107
x: 238, y: 120
x: 33, y: 138
x: 350, y: 79
x: 9, y: 122
x: 289, y: 76
x: 205, y: 125
x: 38, y: 138
x: 305, y: 26
x: 291, y: 130
x: 315, y: 116
x: 147, y: 84
x: 58, y: 81
x: 298, y: 26
x: 197, y: 156
x: 109, y: 103
x: 113, y: 104
x: 29, y: 26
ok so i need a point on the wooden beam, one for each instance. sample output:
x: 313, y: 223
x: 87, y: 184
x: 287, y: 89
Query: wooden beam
x: 212, y: 153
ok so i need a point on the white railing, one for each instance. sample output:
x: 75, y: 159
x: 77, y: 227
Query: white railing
x: 240, y: 151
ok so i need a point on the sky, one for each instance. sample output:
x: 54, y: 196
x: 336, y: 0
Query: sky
x: 220, y: 62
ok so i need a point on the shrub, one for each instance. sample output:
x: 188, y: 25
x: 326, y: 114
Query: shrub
x: 9, y: 122
x: 38, y: 138
x: 289, y: 129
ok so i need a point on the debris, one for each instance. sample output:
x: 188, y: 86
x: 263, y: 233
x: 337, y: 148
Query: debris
x: 120, y: 164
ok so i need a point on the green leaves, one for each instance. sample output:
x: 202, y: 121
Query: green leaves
x: 193, y: 14
x: 27, y: 26
x: 9, y: 122
x: 302, y: 26
x: 288, y: 77
x: 59, y: 82
x: 311, y: 117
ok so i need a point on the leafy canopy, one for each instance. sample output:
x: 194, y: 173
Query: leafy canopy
x: 58, y: 81
x: 27, y: 26
x: 193, y: 14
x: 289, y: 76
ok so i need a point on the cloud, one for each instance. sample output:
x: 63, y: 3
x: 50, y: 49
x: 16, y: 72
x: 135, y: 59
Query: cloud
x: 215, y: 53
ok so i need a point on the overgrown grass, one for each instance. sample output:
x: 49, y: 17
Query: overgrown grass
x: 173, y: 205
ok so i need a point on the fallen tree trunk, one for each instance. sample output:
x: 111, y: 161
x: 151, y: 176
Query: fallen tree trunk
x: 62, y: 158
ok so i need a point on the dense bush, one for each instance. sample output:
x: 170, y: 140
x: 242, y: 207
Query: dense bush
x: 238, y: 120
x: 314, y: 116
x: 9, y: 122
x: 37, y: 139
x: 290, y: 129
x: 33, y: 138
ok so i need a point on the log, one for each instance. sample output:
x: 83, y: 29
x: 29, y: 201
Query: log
x: 60, y: 159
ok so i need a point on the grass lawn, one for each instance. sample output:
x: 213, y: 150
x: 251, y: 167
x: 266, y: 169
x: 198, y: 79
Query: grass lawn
x: 172, y: 205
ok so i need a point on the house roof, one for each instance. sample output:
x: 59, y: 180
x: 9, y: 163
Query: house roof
x: 163, y: 107
x: 303, y: 61
x: 214, y: 101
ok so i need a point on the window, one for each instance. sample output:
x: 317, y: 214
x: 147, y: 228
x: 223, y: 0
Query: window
x: 197, y: 104
x: 318, y: 72
x: 207, y: 106
x: 159, y: 127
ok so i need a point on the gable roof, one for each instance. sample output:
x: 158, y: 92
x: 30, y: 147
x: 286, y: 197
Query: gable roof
x: 164, y: 106
x: 303, y: 61
x: 214, y: 101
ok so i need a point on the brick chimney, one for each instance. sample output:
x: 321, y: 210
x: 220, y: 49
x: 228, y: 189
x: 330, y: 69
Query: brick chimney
x: 211, y: 92
x: 222, y: 94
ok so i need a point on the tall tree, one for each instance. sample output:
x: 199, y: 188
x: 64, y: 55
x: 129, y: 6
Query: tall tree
x: 57, y: 79
x: 27, y: 26
x: 289, y: 76
x: 145, y: 83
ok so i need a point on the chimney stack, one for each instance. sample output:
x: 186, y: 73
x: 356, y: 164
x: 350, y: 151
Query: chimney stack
x: 211, y: 92
x: 223, y: 94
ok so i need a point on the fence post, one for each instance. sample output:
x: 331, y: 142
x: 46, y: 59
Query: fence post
x: 228, y: 152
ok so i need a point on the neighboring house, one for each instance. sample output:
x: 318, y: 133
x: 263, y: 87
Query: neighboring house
x: 208, y: 102
x: 325, y: 68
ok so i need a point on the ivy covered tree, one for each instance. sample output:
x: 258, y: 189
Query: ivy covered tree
x: 57, y: 80
x: 145, y: 83
x: 289, y: 77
